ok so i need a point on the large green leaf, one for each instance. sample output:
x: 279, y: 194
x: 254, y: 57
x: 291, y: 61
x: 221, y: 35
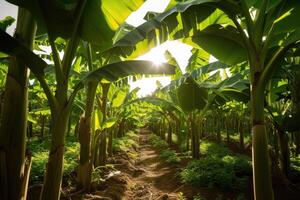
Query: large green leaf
x: 224, y: 43
x: 164, y: 104
x: 176, y: 22
x: 13, y: 47
x: 99, y: 21
x: 282, y: 19
x: 191, y: 96
x: 109, y: 123
x: 195, y: 74
x: 114, y: 71
x: 285, y: 15
x: 119, y: 98
x: 55, y: 17
x: 233, y: 88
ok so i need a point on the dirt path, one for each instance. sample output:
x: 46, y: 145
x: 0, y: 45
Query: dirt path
x: 139, y: 174
x: 153, y: 178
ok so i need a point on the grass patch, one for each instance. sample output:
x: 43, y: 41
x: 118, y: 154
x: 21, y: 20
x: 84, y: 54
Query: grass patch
x: 219, y: 167
x: 126, y: 142
x: 157, y: 142
x: 170, y: 156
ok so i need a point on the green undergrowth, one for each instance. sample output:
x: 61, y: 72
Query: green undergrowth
x: 170, y: 156
x: 218, y: 167
x: 295, y: 167
x: 235, y: 137
x: 157, y: 142
x: 125, y: 143
x: 295, y: 163
x: 40, y: 152
x: 165, y: 152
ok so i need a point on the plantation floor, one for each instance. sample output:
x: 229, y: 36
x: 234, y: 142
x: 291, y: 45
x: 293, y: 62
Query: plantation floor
x: 154, y: 179
x: 142, y: 175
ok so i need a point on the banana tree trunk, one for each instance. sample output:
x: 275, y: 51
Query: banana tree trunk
x: 42, y: 126
x: 218, y: 129
x: 194, y: 139
x: 25, y: 181
x: 241, y: 133
x: 102, y: 142
x: 121, y: 129
x: 284, y: 152
x: 110, y: 142
x: 14, y: 114
x: 85, y: 163
x: 169, y: 139
x: 227, y: 130
x: 54, y: 169
x: 102, y: 149
x: 260, y: 157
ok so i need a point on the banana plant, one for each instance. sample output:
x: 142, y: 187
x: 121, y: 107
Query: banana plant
x: 258, y: 32
x: 14, y: 174
x: 110, y: 72
x: 61, y: 103
x: 192, y: 100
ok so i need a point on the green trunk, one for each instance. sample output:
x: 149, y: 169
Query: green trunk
x: 54, y: 170
x: 85, y: 164
x: 170, y: 134
x: 84, y: 169
x: 42, y: 126
x: 102, y: 141
x: 110, y: 142
x: 227, y: 130
x: 102, y: 149
x: 284, y: 152
x: 218, y: 127
x: 241, y: 133
x: 260, y: 156
x: 194, y: 139
x: 14, y: 114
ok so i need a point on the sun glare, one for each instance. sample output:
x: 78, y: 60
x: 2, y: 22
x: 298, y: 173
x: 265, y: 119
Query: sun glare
x: 181, y: 52
x: 149, y: 85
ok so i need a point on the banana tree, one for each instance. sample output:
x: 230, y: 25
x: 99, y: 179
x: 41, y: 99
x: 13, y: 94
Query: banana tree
x: 259, y: 32
x: 169, y: 110
x: 73, y: 20
x: 61, y: 103
x: 14, y: 114
x: 110, y: 72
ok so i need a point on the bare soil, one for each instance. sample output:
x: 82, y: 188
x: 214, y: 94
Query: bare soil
x: 143, y: 175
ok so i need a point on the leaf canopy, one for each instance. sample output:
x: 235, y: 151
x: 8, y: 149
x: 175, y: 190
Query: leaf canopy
x: 191, y: 95
x: 99, y: 21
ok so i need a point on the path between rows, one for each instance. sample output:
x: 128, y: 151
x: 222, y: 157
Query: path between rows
x: 154, y: 178
x: 145, y: 176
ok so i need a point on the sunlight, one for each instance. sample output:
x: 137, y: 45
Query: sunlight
x: 137, y: 18
x: 149, y: 85
x: 181, y: 52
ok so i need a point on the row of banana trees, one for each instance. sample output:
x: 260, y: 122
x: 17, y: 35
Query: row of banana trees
x: 260, y: 33
x: 258, y: 38
x: 78, y: 28
x: 208, y: 104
